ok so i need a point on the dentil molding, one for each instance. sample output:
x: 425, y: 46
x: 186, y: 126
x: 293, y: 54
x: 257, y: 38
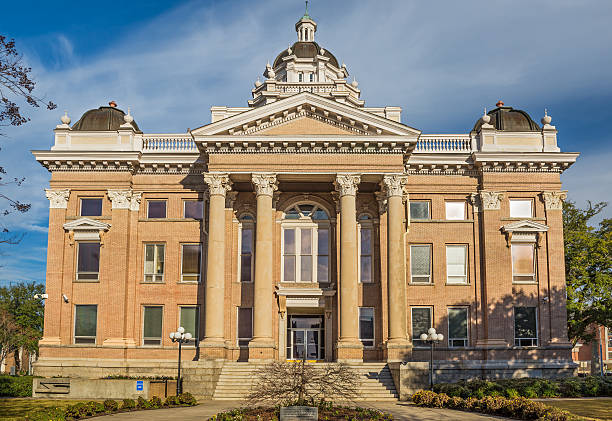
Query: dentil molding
x: 58, y: 198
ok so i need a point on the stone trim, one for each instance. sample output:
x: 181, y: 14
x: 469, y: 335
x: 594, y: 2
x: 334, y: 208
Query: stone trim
x: 491, y: 200
x: 58, y: 198
x: 347, y: 184
x: 218, y: 183
x: 553, y: 200
x: 394, y: 185
x: 265, y: 183
x: 124, y: 199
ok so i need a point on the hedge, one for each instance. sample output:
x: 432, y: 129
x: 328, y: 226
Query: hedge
x: 15, y: 386
x: 571, y: 387
x: 519, y: 408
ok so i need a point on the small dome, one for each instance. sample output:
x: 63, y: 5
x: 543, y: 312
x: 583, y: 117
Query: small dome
x: 306, y: 50
x: 509, y: 120
x: 102, y: 119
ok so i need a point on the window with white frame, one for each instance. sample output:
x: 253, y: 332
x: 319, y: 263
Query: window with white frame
x: 419, y: 210
x: 245, y: 325
x: 366, y: 326
x: 85, y: 324
x: 190, y: 321
x: 152, y: 323
x: 521, y: 208
x: 191, y: 265
x: 154, y: 262
x: 525, y: 326
x: 455, y: 210
x: 366, y: 249
x: 458, y: 327
x: 421, y: 322
x: 456, y: 264
x: 420, y: 263
x: 88, y: 261
x: 305, y: 244
x: 193, y: 209
x: 247, y: 247
x: 523, y: 262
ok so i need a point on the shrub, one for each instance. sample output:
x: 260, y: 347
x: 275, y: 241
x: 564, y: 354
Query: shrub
x: 171, y: 401
x: 128, y: 404
x: 15, y: 386
x: 187, y: 399
x: 142, y: 403
x: 155, y: 402
x: 111, y: 405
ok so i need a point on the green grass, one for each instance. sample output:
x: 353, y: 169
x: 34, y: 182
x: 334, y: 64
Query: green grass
x: 599, y: 409
x: 14, y: 409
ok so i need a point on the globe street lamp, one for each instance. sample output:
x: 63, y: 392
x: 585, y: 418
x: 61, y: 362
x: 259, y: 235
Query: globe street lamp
x: 432, y: 337
x: 181, y: 337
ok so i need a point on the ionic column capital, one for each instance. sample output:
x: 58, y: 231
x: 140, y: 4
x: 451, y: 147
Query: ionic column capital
x: 58, y: 198
x: 553, y: 200
x: 394, y: 184
x: 218, y: 183
x: 346, y: 184
x: 265, y: 183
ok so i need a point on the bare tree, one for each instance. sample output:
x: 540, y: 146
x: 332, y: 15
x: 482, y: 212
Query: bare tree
x: 300, y: 382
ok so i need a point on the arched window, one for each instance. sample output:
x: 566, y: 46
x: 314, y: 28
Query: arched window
x: 246, y: 247
x: 305, y: 244
x: 366, y: 249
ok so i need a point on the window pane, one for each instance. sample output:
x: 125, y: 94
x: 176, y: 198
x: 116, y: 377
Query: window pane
x: 419, y: 210
x: 455, y: 210
x: 153, y: 322
x: 520, y: 209
x: 323, y: 241
x: 366, y: 323
x: 306, y: 268
x: 320, y: 214
x: 247, y: 240
x: 455, y: 260
x: 420, y: 260
x: 366, y: 269
x: 159, y: 268
x: 306, y: 241
x: 190, y: 320
x: 89, y: 257
x: 85, y: 319
x: 366, y: 241
x: 191, y: 258
x: 289, y: 269
x: 522, y: 259
x: 306, y: 209
x: 157, y: 209
x: 245, y: 268
x: 245, y: 323
x: 194, y: 209
x: 421, y: 322
x: 292, y: 214
x: 457, y: 323
x: 289, y: 241
x: 322, y: 269
x: 525, y: 322
x: 91, y: 207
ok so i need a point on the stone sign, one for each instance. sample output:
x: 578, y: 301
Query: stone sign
x: 299, y: 413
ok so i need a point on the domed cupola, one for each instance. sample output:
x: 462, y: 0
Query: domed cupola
x: 508, y: 119
x: 104, y: 119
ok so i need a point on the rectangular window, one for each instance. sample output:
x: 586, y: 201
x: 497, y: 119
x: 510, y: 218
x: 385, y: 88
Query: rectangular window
x: 366, y: 326
x: 154, y: 263
x: 419, y: 210
x: 420, y: 264
x: 421, y: 322
x: 365, y: 257
x: 190, y: 321
x: 456, y: 264
x: 323, y: 255
x: 300, y: 77
x: 245, y: 325
x: 455, y: 210
x: 306, y: 254
x: 246, y: 253
x: 91, y: 207
x: 152, y: 325
x: 191, y: 265
x: 85, y: 324
x: 521, y: 208
x: 193, y: 209
x: 88, y: 261
x: 289, y: 255
x: 458, y: 327
x: 523, y: 263
x: 525, y: 326
x: 156, y: 209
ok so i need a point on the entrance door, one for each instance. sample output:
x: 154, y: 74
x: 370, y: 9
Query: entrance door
x: 305, y: 338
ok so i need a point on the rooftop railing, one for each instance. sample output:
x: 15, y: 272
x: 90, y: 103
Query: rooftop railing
x: 168, y: 144
x: 435, y: 143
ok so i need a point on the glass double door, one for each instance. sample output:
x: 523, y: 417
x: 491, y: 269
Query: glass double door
x: 305, y: 338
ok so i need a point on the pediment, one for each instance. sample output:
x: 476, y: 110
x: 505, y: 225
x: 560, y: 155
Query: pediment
x: 306, y: 114
x: 526, y: 226
x: 86, y: 224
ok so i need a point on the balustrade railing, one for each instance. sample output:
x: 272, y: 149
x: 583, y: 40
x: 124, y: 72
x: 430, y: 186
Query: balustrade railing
x: 168, y: 144
x: 444, y: 144
x: 294, y: 88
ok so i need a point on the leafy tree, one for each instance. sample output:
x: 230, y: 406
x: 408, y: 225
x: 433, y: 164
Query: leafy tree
x: 588, y: 270
x: 8, y: 334
x: 15, y: 84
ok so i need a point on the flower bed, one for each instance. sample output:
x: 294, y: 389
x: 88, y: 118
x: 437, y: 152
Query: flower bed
x: 519, y: 407
x: 109, y: 406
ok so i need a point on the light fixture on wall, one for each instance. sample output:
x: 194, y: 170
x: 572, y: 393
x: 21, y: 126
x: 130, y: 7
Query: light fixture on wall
x: 65, y: 297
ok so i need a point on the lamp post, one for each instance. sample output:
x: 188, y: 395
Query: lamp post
x: 181, y: 337
x: 432, y: 337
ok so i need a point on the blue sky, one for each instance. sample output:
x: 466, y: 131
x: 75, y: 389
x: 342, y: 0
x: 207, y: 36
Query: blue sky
x: 442, y: 62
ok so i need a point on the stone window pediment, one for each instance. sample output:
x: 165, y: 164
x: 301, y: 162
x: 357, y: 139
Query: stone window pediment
x: 524, y: 231
x: 86, y: 229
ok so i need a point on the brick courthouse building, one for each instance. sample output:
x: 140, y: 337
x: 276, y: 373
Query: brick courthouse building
x: 305, y: 224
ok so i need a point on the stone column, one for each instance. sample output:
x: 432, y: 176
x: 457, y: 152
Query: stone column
x: 349, y: 346
x: 262, y: 344
x: 397, y: 345
x: 213, y: 344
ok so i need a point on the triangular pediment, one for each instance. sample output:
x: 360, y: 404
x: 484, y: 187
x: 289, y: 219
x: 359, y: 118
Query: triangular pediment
x: 525, y: 226
x: 306, y: 114
x: 86, y: 224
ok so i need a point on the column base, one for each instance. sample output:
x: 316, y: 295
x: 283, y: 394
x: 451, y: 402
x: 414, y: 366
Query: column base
x: 397, y: 351
x: 349, y: 352
x: 262, y: 350
x: 212, y: 349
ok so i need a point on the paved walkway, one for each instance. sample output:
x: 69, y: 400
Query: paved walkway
x: 400, y: 411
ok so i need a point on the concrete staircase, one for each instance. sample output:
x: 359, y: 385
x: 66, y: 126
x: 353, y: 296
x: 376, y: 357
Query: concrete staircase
x: 236, y: 380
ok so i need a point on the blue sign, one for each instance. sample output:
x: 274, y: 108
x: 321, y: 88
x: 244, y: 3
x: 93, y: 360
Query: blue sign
x: 139, y: 385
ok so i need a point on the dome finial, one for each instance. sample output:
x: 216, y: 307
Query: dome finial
x: 500, y: 103
x: 128, y: 117
x: 546, y: 119
x: 65, y: 119
x: 306, y: 12
x: 486, y: 118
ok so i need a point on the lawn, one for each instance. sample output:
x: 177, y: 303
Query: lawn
x: 599, y: 409
x: 13, y: 409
